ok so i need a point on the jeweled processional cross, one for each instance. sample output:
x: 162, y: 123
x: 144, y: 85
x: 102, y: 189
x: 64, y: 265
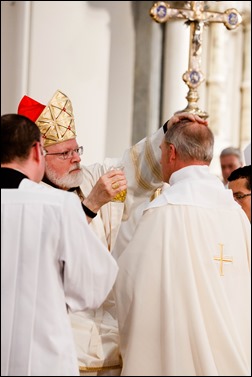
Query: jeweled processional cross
x: 197, y: 17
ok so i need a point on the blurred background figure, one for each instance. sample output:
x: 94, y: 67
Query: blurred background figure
x: 230, y: 159
x: 239, y: 182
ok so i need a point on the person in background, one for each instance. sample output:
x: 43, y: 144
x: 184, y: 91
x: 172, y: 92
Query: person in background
x: 51, y: 261
x: 230, y: 159
x: 183, y: 290
x: 96, y: 332
x: 239, y: 182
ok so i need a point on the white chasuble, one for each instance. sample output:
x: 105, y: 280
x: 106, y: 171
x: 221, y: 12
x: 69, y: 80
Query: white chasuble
x: 183, y: 291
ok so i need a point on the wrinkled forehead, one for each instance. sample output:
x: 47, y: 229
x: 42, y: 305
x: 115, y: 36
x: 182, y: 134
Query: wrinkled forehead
x: 64, y: 146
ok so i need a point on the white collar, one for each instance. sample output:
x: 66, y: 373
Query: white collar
x: 195, y: 185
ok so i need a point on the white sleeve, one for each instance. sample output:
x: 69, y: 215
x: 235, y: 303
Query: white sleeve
x: 89, y: 269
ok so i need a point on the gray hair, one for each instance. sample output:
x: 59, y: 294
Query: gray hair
x: 192, y: 140
x: 232, y: 151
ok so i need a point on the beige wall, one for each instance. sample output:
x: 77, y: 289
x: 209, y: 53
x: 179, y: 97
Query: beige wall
x: 82, y: 48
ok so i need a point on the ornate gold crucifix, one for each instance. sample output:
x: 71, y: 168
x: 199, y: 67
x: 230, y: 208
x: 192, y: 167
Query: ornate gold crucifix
x: 197, y: 17
x: 222, y: 259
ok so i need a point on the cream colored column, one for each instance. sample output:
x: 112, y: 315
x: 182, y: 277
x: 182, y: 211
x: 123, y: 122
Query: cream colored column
x: 245, y: 130
x: 15, y: 50
x: 176, y: 52
x: 224, y: 78
x: 223, y: 83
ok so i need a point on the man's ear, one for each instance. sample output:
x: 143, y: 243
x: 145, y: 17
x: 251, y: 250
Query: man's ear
x: 172, y: 152
x: 36, y: 152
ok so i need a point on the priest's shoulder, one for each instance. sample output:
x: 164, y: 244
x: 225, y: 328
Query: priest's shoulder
x: 51, y: 194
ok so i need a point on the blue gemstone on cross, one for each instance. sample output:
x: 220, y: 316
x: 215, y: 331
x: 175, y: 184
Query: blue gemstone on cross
x: 232, y: 18
x: 194, y: 77
x: 161, y: 11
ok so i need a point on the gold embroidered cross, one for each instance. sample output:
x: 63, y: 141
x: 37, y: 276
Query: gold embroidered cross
x: 222, y: 259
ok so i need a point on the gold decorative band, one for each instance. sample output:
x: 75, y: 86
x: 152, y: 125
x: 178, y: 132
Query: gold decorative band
x: 153, y: 165
x: 98, y: 369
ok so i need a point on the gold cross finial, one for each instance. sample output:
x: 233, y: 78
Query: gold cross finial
x: 197, y: 17
x: 222, y: 259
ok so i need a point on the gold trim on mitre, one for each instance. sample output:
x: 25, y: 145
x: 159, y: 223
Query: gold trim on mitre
x: 56, y: 122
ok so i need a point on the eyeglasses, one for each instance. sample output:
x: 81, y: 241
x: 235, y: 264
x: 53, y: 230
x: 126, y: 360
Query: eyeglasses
x: 240, y: 196
x: 66, y: 155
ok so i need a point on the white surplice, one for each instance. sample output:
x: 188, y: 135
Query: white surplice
x: 96, y: 332
x: 183, y: 291
x: 50, y: 260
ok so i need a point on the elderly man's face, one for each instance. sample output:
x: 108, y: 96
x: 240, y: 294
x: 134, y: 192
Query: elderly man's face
x: 239, y: 190
x: 64, y: 173
x: 228, y: 164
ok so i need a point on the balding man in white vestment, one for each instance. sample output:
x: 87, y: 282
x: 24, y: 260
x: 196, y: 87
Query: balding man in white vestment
x: 183, y: 291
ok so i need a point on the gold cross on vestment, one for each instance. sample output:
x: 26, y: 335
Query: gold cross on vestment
x: 197, y: 17
x: 222, y: 259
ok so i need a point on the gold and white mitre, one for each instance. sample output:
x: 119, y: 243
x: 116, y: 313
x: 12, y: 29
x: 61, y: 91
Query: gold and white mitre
x: 55, y: 121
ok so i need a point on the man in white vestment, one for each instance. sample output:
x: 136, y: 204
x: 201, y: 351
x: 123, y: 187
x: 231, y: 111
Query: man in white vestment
x: 51, y: 261
x: 183, y: 290
x: 96, y: 332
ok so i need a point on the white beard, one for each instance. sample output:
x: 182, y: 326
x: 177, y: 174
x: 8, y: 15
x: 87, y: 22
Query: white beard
x: 68, y: 181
